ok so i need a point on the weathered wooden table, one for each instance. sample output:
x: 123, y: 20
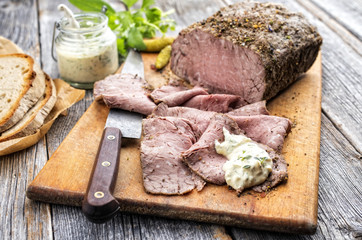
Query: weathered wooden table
x: 29, y: 24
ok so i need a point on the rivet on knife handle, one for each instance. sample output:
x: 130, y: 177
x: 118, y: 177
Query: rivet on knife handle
x: 99, y: 205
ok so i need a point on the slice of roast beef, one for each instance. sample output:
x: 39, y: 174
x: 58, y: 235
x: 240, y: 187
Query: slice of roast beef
x: 159, y: 93
x: 265, y: 129
x: 163, y: 170
x: 202, y: 157
x: 199, y: 119
x: 279, y: 172
x: 221, y: 103
x: 258, y: 108
x: 175, y: 95
x: 249, y: 49
x: 124, y: 91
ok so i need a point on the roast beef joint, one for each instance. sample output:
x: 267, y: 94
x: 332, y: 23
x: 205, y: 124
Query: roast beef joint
x: 253, y: 50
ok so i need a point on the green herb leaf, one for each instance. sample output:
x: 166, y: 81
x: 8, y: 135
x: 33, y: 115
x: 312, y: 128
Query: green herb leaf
x: 125, y: 19
x: 147, y: 3
x: 121, y: 46
x: 153, y: 14
x: 92, y: 5
x: 244, y: 158
x: 129, y: 3
x: 262, y: 160
x: 246, y: 166
x: 135, y: 39
x: 138, y: 16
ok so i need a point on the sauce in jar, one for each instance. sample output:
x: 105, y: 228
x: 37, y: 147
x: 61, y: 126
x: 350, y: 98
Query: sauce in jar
x: 88, y: 53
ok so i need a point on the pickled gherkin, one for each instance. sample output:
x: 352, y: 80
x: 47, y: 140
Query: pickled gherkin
x: 163, y: 57
x: 157, y: 44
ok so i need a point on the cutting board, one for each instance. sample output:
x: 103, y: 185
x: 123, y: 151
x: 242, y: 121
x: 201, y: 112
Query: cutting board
x: 291, y: 207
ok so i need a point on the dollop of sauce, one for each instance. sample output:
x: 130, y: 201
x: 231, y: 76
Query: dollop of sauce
x: 248, y: 164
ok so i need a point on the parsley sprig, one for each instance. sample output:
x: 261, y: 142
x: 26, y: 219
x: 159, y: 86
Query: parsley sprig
x: 132, y: 25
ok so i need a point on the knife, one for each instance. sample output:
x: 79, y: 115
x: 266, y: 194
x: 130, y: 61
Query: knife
x: 99, y: 204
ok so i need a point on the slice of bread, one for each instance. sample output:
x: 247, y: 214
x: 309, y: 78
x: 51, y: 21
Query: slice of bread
x: 17, y: 71
x: 34, y: 118
x: 16, y: 77
x: 7, y: 46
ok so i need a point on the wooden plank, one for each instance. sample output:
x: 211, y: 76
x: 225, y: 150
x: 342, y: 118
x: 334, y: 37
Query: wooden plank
x: 69, y: 222
x: 65, y: 177
x: 188, y: 12
x: 18, y: 28
x: 174, y: 229
x: 341, y: 196
x: 347, y: 14
x: 341, y: 81
x: 21, y: 218
x: 333, y: 24
x: 130, y: 226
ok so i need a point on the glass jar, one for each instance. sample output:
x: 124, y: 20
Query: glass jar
x: 86, y: 54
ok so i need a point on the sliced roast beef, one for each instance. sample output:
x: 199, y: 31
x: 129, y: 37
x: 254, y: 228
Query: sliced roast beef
x: 202, y: 157
x: 268, y: 130
x: 160, y: 93
x: 175, y: 96
x: 278, y: 174
x: 199, y: 119
x: 249, y: 49
x: 163, y: 170
x: 124, y: 91
x: 258, y: 108
x: 265, y: 129
x: 221, y: 103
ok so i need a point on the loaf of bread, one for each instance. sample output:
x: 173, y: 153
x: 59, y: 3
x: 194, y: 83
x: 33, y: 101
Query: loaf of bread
x: 20, y: 87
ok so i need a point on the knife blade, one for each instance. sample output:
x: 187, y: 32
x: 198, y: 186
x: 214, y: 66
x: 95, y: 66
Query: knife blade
x: 99, y: 204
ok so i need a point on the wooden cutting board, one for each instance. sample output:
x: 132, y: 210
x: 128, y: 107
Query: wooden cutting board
x: 291, y: 207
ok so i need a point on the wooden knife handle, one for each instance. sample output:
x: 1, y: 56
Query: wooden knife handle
x: 99, y: 205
